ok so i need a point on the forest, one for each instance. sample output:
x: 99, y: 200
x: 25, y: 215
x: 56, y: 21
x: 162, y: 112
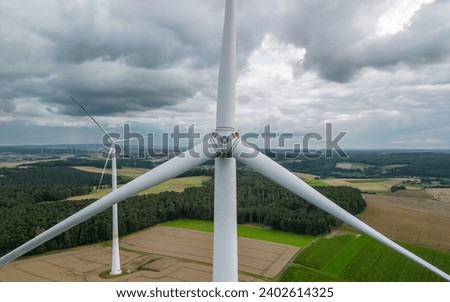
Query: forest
x: 46, y: 183
x: 417, y: 164
x: 26, y: 211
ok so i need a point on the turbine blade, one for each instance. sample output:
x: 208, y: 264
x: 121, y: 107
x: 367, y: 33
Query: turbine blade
x: 104, y: 168
x: 174, y: 167
x: 98, y: 124
x: 284, y: 178
x: 227, y: 71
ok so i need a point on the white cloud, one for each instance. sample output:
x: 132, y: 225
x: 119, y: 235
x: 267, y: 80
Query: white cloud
x: 398, y: 16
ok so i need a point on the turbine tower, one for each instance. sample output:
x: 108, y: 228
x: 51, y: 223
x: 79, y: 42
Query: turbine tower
x: 225, y: 251
x: 225, y: 146
x: 115, y: 258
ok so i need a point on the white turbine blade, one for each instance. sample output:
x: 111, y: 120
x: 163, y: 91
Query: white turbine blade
x: 98, y: 124
x: 174, y: 167
x: 284, y: 178
x: 227, y: 72
x: 104, y: 168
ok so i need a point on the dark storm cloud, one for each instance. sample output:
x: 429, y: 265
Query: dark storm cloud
x: 51, y: 49
x: 122, y: 56
x: 329, y: 31
x: 113, y: 87
x: 117, y: 56
x: 152, y: 34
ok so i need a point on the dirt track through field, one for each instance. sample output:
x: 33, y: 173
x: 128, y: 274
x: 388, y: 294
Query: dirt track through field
x: 156, y: 254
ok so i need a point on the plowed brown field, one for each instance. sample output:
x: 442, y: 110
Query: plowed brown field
x: 410, y: 216
x: 156, y: 254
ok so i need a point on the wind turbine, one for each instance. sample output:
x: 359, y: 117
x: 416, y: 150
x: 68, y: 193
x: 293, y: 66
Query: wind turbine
x: 224, y: 145
x: 115, y: 260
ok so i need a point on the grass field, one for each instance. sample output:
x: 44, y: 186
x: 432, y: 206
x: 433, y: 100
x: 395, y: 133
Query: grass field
x: 247, y: 231
x: 311, y: 179
x: 174, y: 185
x: 353, y: 257
x: 177, y: 184
x: 315, y: 182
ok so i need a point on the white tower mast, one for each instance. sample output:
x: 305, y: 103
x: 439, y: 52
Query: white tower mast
x: 115, y: 261
x: 225, y: 257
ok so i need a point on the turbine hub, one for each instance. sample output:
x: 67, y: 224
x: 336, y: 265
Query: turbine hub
x: 224, y: 141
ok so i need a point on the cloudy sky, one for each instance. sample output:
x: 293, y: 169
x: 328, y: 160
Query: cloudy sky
x: 379, y: 69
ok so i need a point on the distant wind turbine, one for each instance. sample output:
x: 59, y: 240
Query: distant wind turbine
x: 224, y: 145
x: 115, y: 261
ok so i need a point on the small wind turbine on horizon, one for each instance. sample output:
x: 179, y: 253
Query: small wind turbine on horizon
x: 115, y: 261
x: 225, y: 146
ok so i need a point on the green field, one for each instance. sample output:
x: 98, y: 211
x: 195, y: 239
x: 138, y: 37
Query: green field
x: 247, y: 231
x: 302, y: 273
x: 177, y: 184
x: 315, y: 182
x: 354, y: 257
x: 174, y: 185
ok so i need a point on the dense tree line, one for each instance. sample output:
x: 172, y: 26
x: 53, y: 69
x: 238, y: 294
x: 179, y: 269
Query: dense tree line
x: 396, y: 188
x: 47, y: 175
x: 259, y: 201
x: 205, y: 169
x: 264, y: 202
x: 420, y: 164
x: 46, y: 183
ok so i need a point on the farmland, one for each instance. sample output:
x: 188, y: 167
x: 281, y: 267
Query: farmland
x: 353, y: 257
x: 410, y: 216
x: 246, y: 231
x: 126, y: 172
x: 172, y: 185
x: 440, y: 194
x: 369, y: 185
x: 310, y: 179
x: 159, y: 253
x: 417, y: 217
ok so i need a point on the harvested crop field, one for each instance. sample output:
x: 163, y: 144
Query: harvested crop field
x: 421, y: 221
x: 440, y: 194
x: 156, y: 254
x: 366, y: 184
